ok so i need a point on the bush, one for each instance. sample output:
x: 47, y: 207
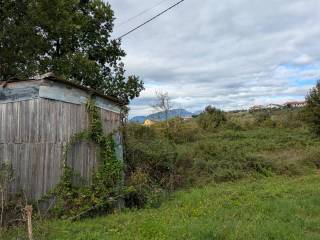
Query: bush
x: 211, y: 118
x: 289, y: 118
x: 217, y: 161
x: 292, y: 162
x: 158, y: 162
x: 150, y: 164
x: 183, y: 132
x: 245, y: 121
x: 139, y: 189
x: 232, y: 126
x: 313, y: 109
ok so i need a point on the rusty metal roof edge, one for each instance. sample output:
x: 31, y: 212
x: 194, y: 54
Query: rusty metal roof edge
x: 52, y: 77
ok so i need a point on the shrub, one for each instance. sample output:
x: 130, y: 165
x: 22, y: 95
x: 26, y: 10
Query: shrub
x: 313, y: 109
x: 232, y: 126
x: 291, y: 162
x: 288, y: 118
x: 269, y: 123
x: 262, y: 117
x: 211, y: 118
x: 183, y: 132
x: 217, y: 161
x: 138, y: 190
x: 245, y: 121
x: 150, y: 164
x: 158, y: 163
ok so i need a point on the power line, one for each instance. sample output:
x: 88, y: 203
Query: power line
x: 142, y: 12
x: 151, y: 19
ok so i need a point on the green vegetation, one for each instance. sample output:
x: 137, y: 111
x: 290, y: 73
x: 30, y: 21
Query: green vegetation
x: 104, y: 190
x: 242, y: 145
x: 69, y: 37
x: 252, y: 176
x: 211, y: 118
x: 269, y: 208
x: 313, y: 108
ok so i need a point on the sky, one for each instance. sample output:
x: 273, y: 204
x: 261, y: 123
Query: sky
x: 231, y: 54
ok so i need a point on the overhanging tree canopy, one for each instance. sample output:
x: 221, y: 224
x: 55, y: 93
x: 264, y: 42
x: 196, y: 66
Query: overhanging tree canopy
x: 69, y: 37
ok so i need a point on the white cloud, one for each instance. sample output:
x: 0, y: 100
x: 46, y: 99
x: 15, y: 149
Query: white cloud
x: 232, y: 53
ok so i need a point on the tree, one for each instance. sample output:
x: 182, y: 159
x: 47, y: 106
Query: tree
x: 19, y: 43
x: 211, y: 118
x: 313, y: 108
x: 163, y: 104
x: 69, y: 37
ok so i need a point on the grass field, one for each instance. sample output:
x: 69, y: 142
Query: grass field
x: 226, y: 154
x: 269, y: 208
x: 244, y: 180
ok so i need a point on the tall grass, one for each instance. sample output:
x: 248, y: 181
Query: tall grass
x: 244, y: 148
x: 242, y: 145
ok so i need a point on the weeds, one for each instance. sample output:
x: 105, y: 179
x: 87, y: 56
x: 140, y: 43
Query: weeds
x: 239, y: 145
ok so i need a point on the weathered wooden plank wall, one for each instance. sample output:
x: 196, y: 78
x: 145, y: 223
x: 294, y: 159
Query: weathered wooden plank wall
x: 32, y: 136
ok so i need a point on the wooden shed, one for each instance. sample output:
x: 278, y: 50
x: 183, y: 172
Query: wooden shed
x: 37, y: 119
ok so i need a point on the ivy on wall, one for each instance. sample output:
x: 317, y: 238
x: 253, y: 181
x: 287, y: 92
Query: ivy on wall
x: 105, y: 189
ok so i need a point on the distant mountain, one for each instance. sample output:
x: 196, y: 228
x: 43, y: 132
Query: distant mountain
x: 198, y: 112
x: 138, y: 119
x: 161, y: 116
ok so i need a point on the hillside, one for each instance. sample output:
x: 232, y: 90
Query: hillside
x: 160, y: 116
x: 271, y: 208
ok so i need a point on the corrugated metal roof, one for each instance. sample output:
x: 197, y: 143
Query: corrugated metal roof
x: 52, y: 77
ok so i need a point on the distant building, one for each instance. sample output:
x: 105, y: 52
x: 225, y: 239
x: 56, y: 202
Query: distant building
x: 295, y: 104
x: 273, y: 106
x: 186, y: 118
x: 149, y: 122
x: 256, y: 108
